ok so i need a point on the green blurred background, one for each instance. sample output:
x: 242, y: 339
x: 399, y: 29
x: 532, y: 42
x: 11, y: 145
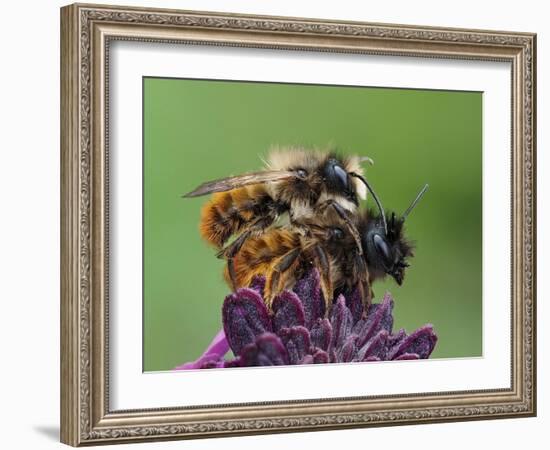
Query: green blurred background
x: 198, y: 130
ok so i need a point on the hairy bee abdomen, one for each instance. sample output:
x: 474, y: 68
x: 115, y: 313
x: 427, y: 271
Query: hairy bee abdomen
x: 259, y: 255
x: 227, y: 213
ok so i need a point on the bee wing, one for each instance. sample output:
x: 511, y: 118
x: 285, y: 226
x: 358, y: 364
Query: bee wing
x: 229, y: 183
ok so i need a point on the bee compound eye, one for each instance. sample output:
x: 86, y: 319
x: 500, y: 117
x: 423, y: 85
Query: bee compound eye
x: 337, y: 233
x: 383, y: 250
x: 302, y: 173
x: 341, y: 176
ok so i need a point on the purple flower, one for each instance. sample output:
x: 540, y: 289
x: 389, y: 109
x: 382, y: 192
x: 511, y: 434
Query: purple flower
x: 212, y: 356
x: 297, y: 331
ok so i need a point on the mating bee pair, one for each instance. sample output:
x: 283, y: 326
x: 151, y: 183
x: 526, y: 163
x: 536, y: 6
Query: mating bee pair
x: 318, y: 193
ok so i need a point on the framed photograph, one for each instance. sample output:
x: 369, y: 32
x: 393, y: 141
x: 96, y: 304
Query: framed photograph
x: 276, y: 224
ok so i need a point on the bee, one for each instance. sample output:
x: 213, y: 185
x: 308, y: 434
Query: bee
x: 385, y: 245
x: 283, y: 255
x: 296, y: 182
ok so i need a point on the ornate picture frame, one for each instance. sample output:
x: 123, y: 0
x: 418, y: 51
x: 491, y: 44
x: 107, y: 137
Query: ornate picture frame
x: 87, y: 31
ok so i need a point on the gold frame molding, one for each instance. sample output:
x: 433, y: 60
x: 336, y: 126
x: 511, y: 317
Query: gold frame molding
x: 86, y: 31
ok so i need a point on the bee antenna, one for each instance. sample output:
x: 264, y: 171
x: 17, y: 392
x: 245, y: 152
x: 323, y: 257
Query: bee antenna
x: 366, y: 159
x: 414, y: 203
x: 376, y: 199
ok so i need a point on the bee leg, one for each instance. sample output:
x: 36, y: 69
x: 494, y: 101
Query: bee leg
x: 232, y: 249
x: 326, y: 279
x: 256, y: 227
x: 362, y: 276
x: 229, y: 253
x: 282, y: 266
x: 361, y: 287
x: 370, y: 292
x: 366, y: 295
x: 351, y: 227
x: 232, y: 274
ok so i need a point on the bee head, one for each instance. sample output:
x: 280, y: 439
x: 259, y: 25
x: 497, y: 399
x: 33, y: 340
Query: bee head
x: 383, y: 240
x: 319, y: 176
x: 386, y: 251
x: 337, y: 179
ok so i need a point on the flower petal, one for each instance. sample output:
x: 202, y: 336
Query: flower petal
x: 358, y: 326
x: 422, y: 342
x: 379, y: 317
x: 320, y: 357
x: 214, y: 352
x: 321, y: 334
x: 396, y: 339
x: 308, y: 289
x: 354, y: 302
x: 407, y: 356
x: 258, y: 284
x: 288, y: 311
x: 268, y: 350
x: 377, y: 346
x: 200, y: 363
x: 297, y: 342
x: 233, y: 362
x: 219, y: 344
x: 245, y: 317
x: 213, y: 364
x: 341, y: 322
x: 348, y: 350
